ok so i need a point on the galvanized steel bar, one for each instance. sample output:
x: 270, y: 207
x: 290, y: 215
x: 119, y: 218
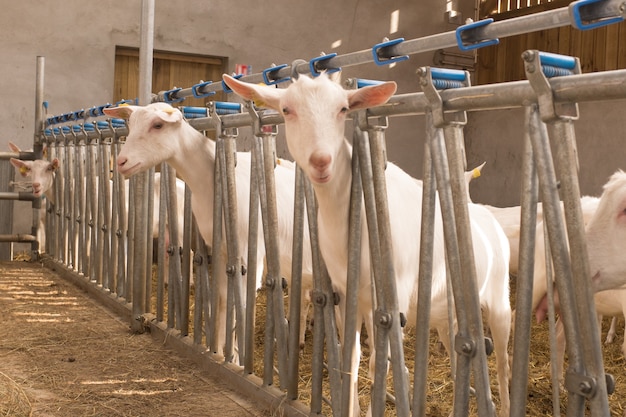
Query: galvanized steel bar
x: 251, y: 277
x: 295, y: 291
x: 562, y: 133
x: 234, y: 301
x: 385, y: 283
x: 351, y: 321
x: 324, y: 314
x: 424, y: 290
x: 163, y: 252
x: 217, y: 277
x: 121, y: 231
x: 524, y: 280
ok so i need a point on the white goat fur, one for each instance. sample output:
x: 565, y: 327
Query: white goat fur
x: 315, y: 114
x: 158, y: 133
x: 42, y: 174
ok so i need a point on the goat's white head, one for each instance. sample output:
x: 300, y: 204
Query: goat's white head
x: 606, y: 236
x: 315, y: 111
x: 152, y: 135
x: 40, y: 171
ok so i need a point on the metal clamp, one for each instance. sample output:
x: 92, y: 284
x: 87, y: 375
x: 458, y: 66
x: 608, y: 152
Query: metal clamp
x: 580, y: 24
x: 195, y: 89
x: 314, y: 68
x: 170, y: 96
x: 380, y: 59
x: 433, y: 79
x: 462, y: 32
x: 269, y: 72
x: 539, y: 67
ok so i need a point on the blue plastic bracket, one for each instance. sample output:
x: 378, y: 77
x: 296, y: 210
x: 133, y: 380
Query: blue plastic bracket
x: 577, y: 21
x: 167, y: 96
x: 227, y: 88
x: 267, y: 73
x: 195, y: 90
x: 386, y: 61
x: 444, y: 78
x: 313, y: 65
x: 474, y: 45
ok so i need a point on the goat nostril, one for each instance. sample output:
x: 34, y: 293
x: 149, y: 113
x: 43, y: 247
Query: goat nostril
x: 320, y: 161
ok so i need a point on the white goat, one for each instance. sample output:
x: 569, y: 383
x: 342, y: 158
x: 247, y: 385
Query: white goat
x: 158, y: 133
x: 315, y: 114
x: 42, y: 173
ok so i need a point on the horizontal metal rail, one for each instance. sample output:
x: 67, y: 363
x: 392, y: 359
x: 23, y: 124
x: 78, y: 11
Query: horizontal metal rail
x: 582, y: 14
x: 610, y: 85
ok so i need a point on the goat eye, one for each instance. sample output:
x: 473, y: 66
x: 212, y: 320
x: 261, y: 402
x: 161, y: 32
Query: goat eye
x: 158, y: 125
x: 344, y: 110
x: 285, y: 111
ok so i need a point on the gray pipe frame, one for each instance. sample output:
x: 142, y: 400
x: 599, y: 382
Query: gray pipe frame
x: 273, y: 257
x: 562, y: 135
x: 559, y: 118
x: 295, y: 290
x: 216, y: 245
x: 524, y: 286
x: 470, y: 305
x: 251, y: 278
x: 350, y: 321
x: 610, y: 85
x: 388, y: 332
x: 424, y: 290
x: 67, y: 204
x: 324, y: 312
x: 234, y: 303
x: 162, y: 250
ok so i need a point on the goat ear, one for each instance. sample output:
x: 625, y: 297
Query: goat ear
x: 20, y: 165
x: 122, y: 112
x: 14, y: 147
x: 371, y: 96
x: 169, y: 115
x: 54, y: 164
x: 261, y: 95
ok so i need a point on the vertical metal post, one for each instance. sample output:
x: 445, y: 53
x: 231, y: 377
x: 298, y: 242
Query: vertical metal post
x: 324, y: 314
x: 139, y: 195
x: 424, y: 290
x: 524, y: 287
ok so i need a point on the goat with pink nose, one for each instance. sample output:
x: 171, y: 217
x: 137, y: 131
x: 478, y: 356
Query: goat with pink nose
x: 315, y: 112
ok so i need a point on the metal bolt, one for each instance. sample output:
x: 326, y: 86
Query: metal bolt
x: 585, y: 387
x: 230, y: 270
x: 528, y: 56
x: 384, y: 320
x: 466, y: 347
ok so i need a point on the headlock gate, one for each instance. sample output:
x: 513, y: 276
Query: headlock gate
x: 95, y: 238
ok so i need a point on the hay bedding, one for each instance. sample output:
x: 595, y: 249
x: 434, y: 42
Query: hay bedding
x: 63, y: 355
x: 440, y: 382
x: 39, y: 375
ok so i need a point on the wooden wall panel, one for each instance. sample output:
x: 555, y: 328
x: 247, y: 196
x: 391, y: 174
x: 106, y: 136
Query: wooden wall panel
x: 600, y: 49
x: 169, y: 70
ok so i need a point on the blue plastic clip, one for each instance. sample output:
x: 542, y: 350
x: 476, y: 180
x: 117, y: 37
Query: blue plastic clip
x: 195, y: 90
x: 386, y: 61
x: 168, y: 96
x: 227, y: 88
x: 79, y: 114
x: 474, y: 45
x: 574, y: 10
x: 267, y: 72
x: 225, y: 107
x: 194, y: 112
x: 444, y: 78
x: 556, y: 60
x: 314, y: 61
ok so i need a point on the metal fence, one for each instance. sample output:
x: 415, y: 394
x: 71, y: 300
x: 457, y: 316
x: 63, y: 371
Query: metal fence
x: 94, y: 236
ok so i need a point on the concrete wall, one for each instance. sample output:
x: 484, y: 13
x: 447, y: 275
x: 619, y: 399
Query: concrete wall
x: 78, y: 40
